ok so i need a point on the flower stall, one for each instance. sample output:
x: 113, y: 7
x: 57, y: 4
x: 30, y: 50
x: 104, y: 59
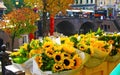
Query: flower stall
x: 51, y: 56
x: 84, y: 54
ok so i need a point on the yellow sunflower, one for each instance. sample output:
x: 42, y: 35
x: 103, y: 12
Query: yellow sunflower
x: 57, y: 47
x: 91, y: 49
x: 68, y: 48
x: 77, y: 61
x: 57, y: 67
x: 58, y: 57
x: 70, y: 43
x: 47, y: 39
x: 15, y: 54
x: 38, y: 59
x: 64, y: 39
x: 65, y: 54
x: 49, y: 45
x: 111, y: 41
x: 68, y: 63
x: 25, y: 46
x: 34, y: 52
x: 82, y: 47
x: 49, y: 52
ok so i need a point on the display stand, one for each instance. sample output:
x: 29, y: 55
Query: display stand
x: 98, y: 70
x: 111, y: 66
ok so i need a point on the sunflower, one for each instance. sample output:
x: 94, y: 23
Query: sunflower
x: 111, y: 41
x: 68, y: 48
x: 34, y: 52
x: 38, y: 59
x: 15, y: 54
x: 49, y: 45
x: 82, y: 47
x: 58, y: 57
x: 49, y: 52
x: 91, y: 48
x: 35, y: 44
x: 25, y: 46
x: 57, y: 47
x: 64, y: 39
x: 68, y: 63
x: 57, y: 67
x: 69, y: 42
x: 65, y: 54
x: 47, y: 39
x: 77, y: 60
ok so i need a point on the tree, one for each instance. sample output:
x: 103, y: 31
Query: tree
x: 19, y: 22
x: 49, y: 6
x: 9, y: 5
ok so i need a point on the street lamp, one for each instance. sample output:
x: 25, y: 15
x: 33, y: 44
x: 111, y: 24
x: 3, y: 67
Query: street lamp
x: 17, y: 2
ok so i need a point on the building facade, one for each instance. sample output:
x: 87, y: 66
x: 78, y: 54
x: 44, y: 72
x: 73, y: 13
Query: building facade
x: 112, y: 6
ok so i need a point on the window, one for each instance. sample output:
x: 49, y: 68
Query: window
x: 105, y: 27
x: 80, y: 1
x: 86, y: 1
x: 108, y: 26
x: 76, y: 1
x: 23, y: 40
x: 91, y: 1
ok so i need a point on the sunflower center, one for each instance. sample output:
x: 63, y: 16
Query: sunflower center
x: 58, y: 67
x: 65, y: 55
x: 75, y: 63
x: 58, y: 58
x: 50, y: 52
x: 48, y: 46
x: 66, y: 62
x: 82, y: 47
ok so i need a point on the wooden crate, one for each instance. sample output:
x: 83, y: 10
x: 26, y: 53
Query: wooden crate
x: 111, y: 66
x: 99, y: 70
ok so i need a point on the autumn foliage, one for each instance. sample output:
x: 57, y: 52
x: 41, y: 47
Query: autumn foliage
x: 19, y: 22
x: 52, y: 6
x: 19, y: 19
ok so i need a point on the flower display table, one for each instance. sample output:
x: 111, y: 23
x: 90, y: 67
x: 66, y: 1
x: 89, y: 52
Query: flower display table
x: 99, y: 70
x: 111, y: 66
x: 104, y: 68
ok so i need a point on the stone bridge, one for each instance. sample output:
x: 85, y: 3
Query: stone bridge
x: 69, y: 26
x: 84, y: 25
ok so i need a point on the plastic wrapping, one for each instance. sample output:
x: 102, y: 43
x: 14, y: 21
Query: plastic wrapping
x: 93, y: 62
x: 101, y: 54
x: 113, y: 58
x: 31, y: 68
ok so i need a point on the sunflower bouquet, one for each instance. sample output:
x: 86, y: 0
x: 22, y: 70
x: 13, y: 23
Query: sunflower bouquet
x: 22, y: 58
x: 50, y: 57
x: 97, y: 50
x: 113, y: 39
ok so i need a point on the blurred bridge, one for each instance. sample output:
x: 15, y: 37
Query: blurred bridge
x: 84, y: 25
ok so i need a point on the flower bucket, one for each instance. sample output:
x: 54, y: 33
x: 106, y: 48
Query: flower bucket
x: 101, y: 54
x: 113, y: 58
x: 97, y: 57
x: 93, y: 62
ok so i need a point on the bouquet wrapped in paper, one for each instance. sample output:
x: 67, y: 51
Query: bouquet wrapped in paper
x: 51, y: 56
x: 96, y: 49
x: 113, y: 39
